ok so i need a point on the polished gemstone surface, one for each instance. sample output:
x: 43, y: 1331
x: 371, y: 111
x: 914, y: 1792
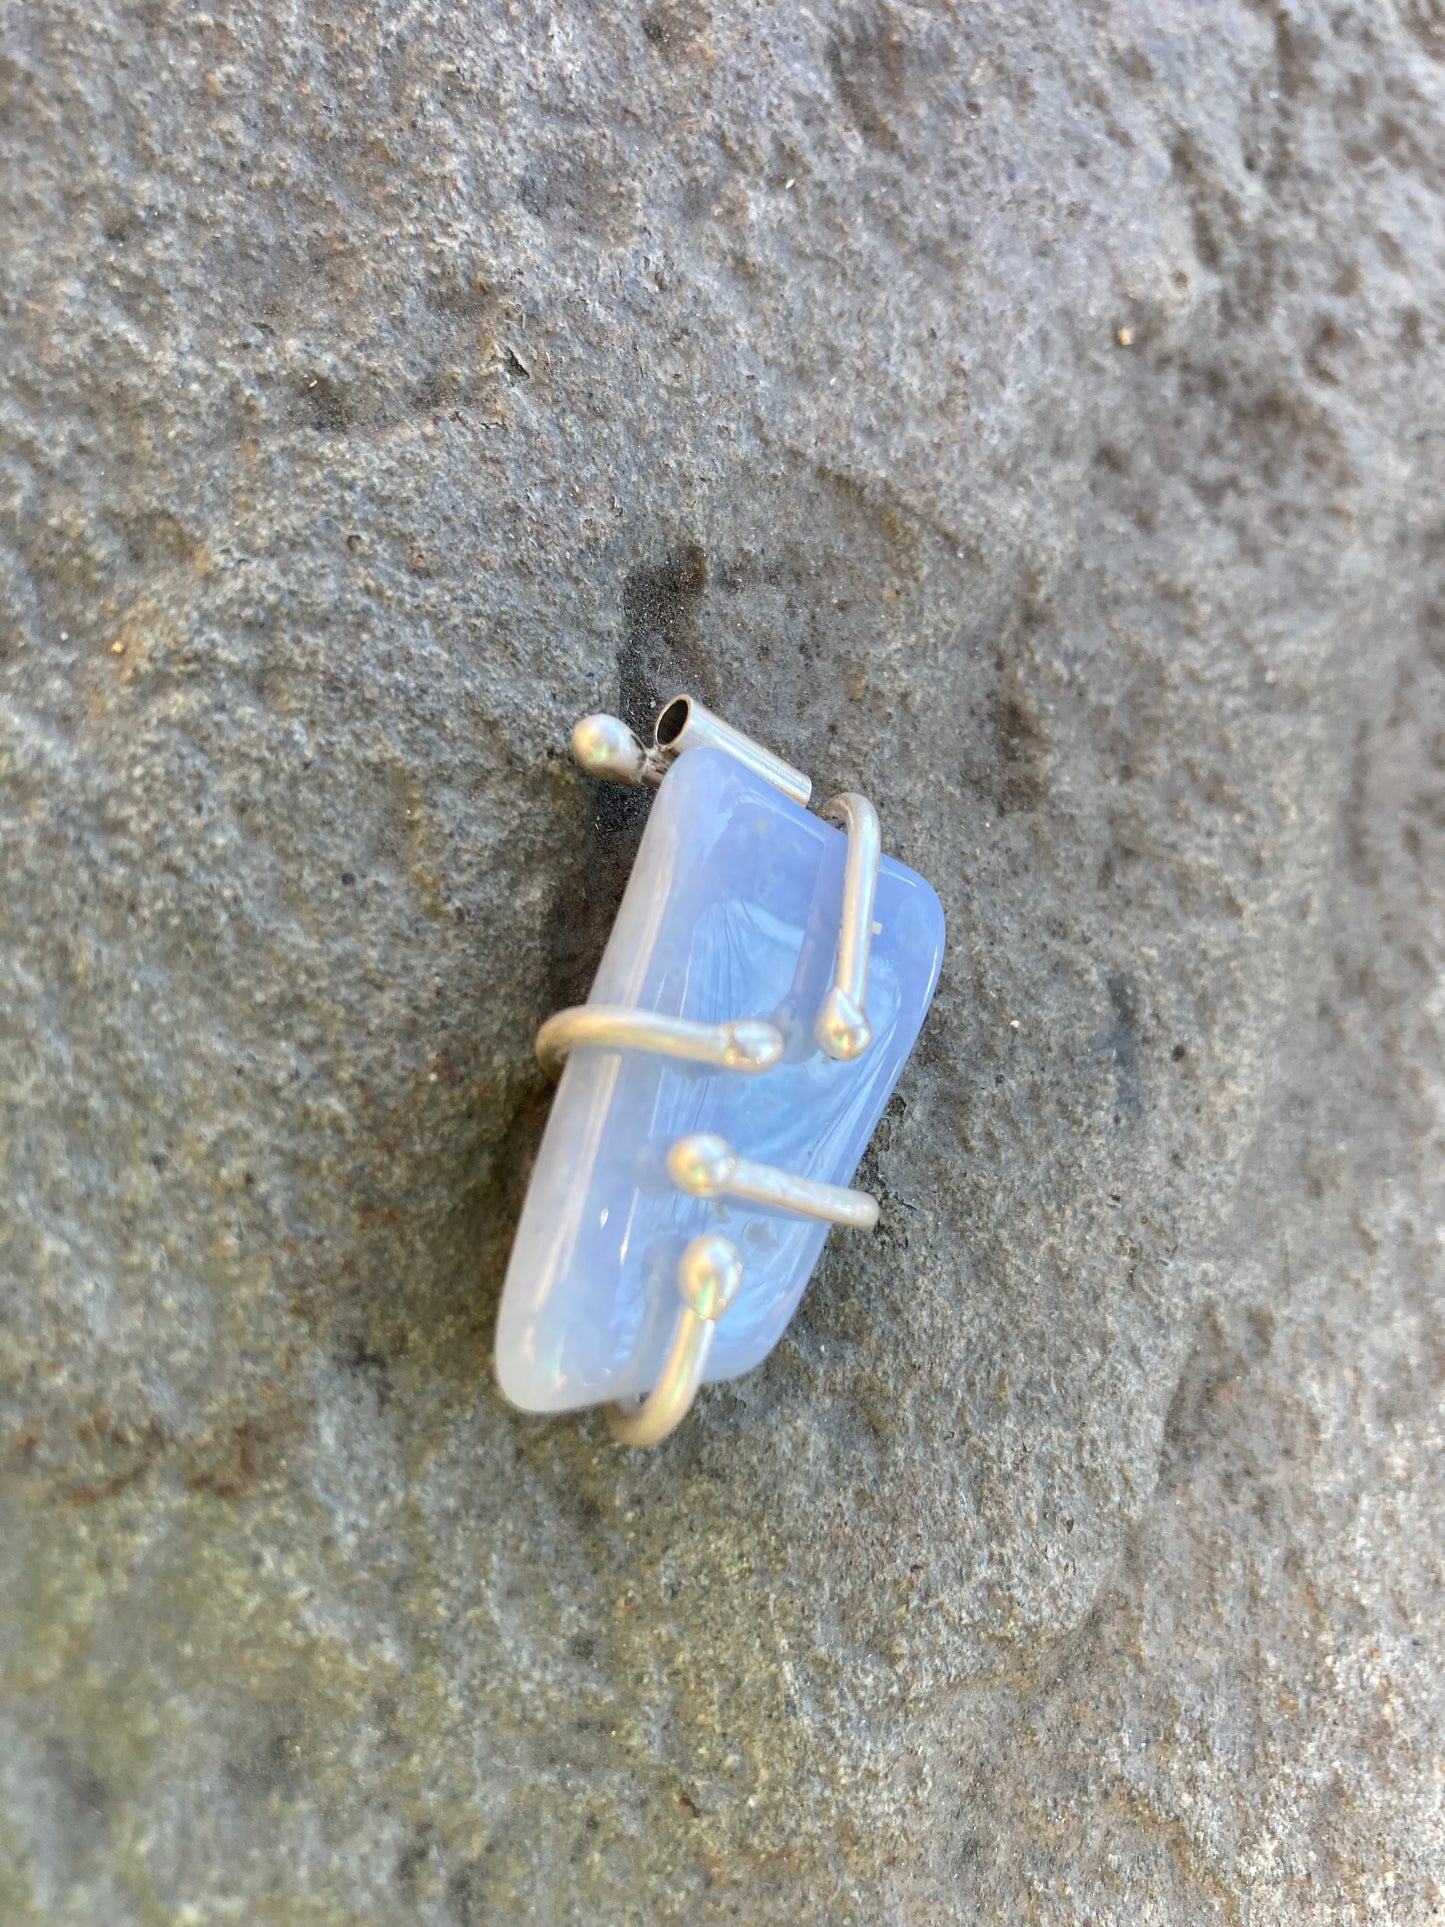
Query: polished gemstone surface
x: 731, y: 911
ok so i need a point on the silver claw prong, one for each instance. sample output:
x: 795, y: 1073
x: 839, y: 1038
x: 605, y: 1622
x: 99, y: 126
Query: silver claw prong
x: 708, y: 1275
x: 706, y: 1166
x: 746, y: 1044
x: 842, y: 1029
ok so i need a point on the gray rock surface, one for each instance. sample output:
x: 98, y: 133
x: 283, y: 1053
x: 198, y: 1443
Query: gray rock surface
x: 1030, y: 414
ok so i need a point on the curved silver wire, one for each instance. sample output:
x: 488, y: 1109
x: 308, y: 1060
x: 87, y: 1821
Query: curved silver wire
x: 749, y: 1044
x: 706, y: 1166
x: 709, y: 1273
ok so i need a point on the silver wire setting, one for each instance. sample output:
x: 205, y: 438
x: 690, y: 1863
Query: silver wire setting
x: 710, y: 1270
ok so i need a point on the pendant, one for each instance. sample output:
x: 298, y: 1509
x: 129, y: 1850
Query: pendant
x: 762, y: 987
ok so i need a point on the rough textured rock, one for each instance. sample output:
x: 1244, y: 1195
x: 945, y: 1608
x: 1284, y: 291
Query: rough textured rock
x: 1031, y: 414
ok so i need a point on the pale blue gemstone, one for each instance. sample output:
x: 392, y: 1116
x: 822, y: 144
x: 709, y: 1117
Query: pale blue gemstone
x: 731, y: 911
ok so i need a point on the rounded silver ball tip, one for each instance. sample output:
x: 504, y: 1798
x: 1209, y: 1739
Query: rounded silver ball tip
x: 604, y: 746
x: 842, y: 1030
x: 701, y: 1164
x: 708, y: 1275
x: 753, y: 1044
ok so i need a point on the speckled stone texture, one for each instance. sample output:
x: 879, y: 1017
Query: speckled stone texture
x: 1032, y: 415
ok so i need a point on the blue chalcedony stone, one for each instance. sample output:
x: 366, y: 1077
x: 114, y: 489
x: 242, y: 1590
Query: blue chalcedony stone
x: 731, y: 911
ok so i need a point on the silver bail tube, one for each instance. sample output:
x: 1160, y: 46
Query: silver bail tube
x: 684, y: 723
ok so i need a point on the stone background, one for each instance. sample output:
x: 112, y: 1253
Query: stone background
x: 1028, y: 413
